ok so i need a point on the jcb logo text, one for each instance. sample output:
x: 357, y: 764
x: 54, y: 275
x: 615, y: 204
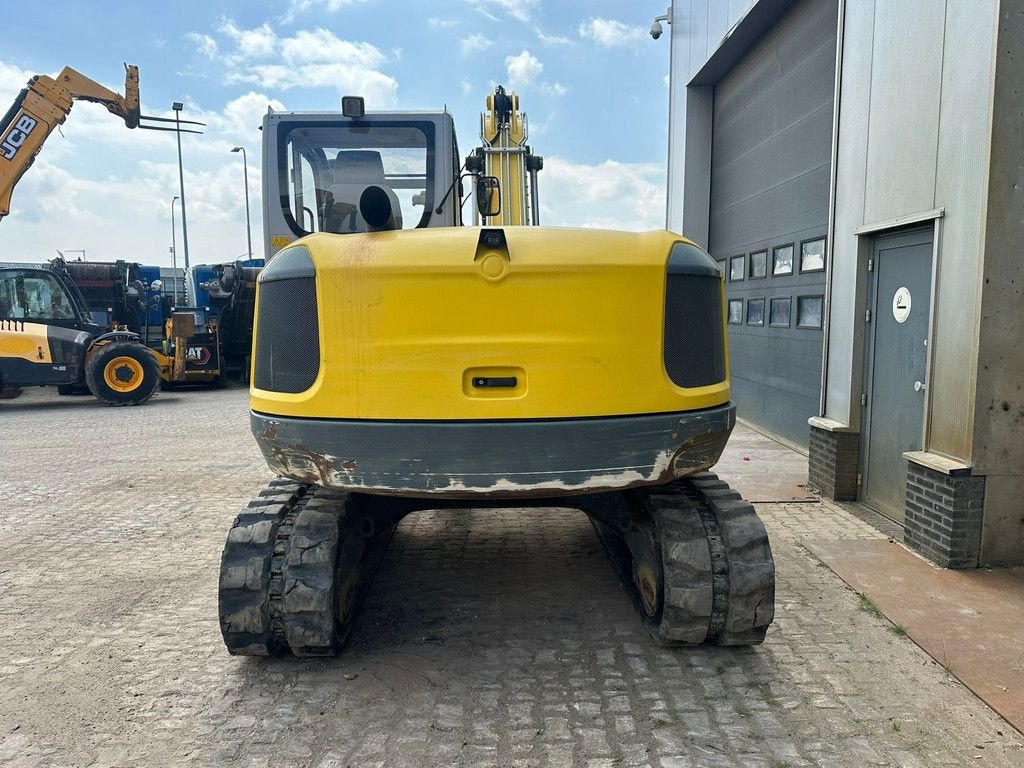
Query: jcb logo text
x: 16, y: 137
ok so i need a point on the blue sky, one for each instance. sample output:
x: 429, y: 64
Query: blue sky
x: 590, y: 78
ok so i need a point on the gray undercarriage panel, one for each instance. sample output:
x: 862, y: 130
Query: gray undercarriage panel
x: 497, y: 459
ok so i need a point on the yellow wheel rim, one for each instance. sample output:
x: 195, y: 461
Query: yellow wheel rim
x: 123, y: 374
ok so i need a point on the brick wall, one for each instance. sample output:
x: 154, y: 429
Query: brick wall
x: 832, y: 464
x: 944, y: 512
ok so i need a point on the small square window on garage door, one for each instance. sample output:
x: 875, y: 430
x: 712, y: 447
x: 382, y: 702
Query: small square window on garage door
x: 737, y: 268
x: 758, y: 264
x: 782, y: 260
x: 736, y: 311
x: 809, y: 311
x: 812, y: 255
x: 755, y: 311
x: 779, y: 312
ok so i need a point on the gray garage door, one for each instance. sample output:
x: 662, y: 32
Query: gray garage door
x: 771, y: 151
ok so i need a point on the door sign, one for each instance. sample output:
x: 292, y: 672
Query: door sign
x: 901, y: 304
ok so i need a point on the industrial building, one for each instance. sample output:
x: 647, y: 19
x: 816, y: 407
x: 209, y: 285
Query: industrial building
x: 857, y: 170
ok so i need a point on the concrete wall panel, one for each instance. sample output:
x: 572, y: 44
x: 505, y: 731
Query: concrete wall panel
x: 999, y: 414
x: 960, y: 187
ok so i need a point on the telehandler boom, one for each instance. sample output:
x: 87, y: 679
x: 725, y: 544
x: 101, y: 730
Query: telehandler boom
x: 45, y: 104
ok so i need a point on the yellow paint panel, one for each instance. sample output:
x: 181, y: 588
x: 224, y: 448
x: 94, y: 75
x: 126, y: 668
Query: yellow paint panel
x: 577, y: 316
x: 24, y: 340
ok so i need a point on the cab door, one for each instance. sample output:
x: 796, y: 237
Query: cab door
x: 41, y: 340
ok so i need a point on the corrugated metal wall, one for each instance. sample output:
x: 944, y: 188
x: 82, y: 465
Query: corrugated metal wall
x: 770, y: 165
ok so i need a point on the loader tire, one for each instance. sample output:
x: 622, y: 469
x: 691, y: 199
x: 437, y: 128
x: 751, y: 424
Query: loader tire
x: 122, y: 373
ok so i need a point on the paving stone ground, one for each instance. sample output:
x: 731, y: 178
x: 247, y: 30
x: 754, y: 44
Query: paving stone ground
x: 488, y: 639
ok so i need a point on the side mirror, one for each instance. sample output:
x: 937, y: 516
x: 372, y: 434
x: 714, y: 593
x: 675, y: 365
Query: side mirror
x: 488, y: 195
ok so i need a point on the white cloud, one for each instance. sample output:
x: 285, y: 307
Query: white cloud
x: 610, y: 195
x: 609, y: 33
x: 441, y: 23
x: 250, y: 43
x: 520, y: 10
x: 13, y: 79
x: 473, y: 43
x: 323, y: 46
x: 314, y: 58
x: 297, y: 7
x: 244, y: 115
x: 205, y: 45
x: 523, y: 69
x: 547, y: 39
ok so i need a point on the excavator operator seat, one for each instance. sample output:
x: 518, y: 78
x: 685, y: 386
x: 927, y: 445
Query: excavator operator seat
x: 354, y: 171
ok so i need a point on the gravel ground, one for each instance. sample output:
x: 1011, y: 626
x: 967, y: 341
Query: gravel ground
x: 489, y: 637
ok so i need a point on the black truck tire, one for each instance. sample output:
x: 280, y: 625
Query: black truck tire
x: 122, y: 373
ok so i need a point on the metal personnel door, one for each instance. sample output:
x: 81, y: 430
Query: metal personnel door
x: 896, y: 346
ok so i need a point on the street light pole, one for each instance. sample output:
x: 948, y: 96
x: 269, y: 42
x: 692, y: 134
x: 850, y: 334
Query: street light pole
x: 177, y: 107
x: 174, y: 251
x: 245, y: 171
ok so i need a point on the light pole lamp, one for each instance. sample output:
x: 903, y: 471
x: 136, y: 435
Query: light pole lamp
x: 177, y: 107
x: 245, y: 171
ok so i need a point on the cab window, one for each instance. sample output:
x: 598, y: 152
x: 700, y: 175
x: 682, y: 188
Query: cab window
x: 33, y: 295
x: 329, y: 166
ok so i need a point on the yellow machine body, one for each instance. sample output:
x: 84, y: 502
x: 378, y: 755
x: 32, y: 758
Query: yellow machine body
x: 25, y: 341
x: 407, y: 319
x: 515, y: 360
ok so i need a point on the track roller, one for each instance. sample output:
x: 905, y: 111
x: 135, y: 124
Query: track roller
x: 297, y: 563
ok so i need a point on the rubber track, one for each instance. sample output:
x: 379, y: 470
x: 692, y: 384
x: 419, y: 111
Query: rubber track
x: 751, y: 568
x: 244, y: 604
x: 717, y: 568
x: 278, y: 583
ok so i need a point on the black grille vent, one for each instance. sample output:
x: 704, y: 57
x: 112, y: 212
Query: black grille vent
x: 694, y: 335
x: 287, y: 336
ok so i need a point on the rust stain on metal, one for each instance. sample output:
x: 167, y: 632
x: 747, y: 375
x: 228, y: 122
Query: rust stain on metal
x: 321, y: 463
x: 282, y: 460
x: 699, y: 453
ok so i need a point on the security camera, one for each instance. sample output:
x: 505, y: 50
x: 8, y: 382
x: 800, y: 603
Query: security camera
x: 656, y: 30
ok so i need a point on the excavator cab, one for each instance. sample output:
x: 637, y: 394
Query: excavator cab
x: 319, y: 166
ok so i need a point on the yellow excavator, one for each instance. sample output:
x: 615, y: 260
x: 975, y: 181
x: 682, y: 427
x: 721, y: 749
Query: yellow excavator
x: 403, y: 362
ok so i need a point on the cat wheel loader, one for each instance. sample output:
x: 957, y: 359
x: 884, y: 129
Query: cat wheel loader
x: 403, y: 362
